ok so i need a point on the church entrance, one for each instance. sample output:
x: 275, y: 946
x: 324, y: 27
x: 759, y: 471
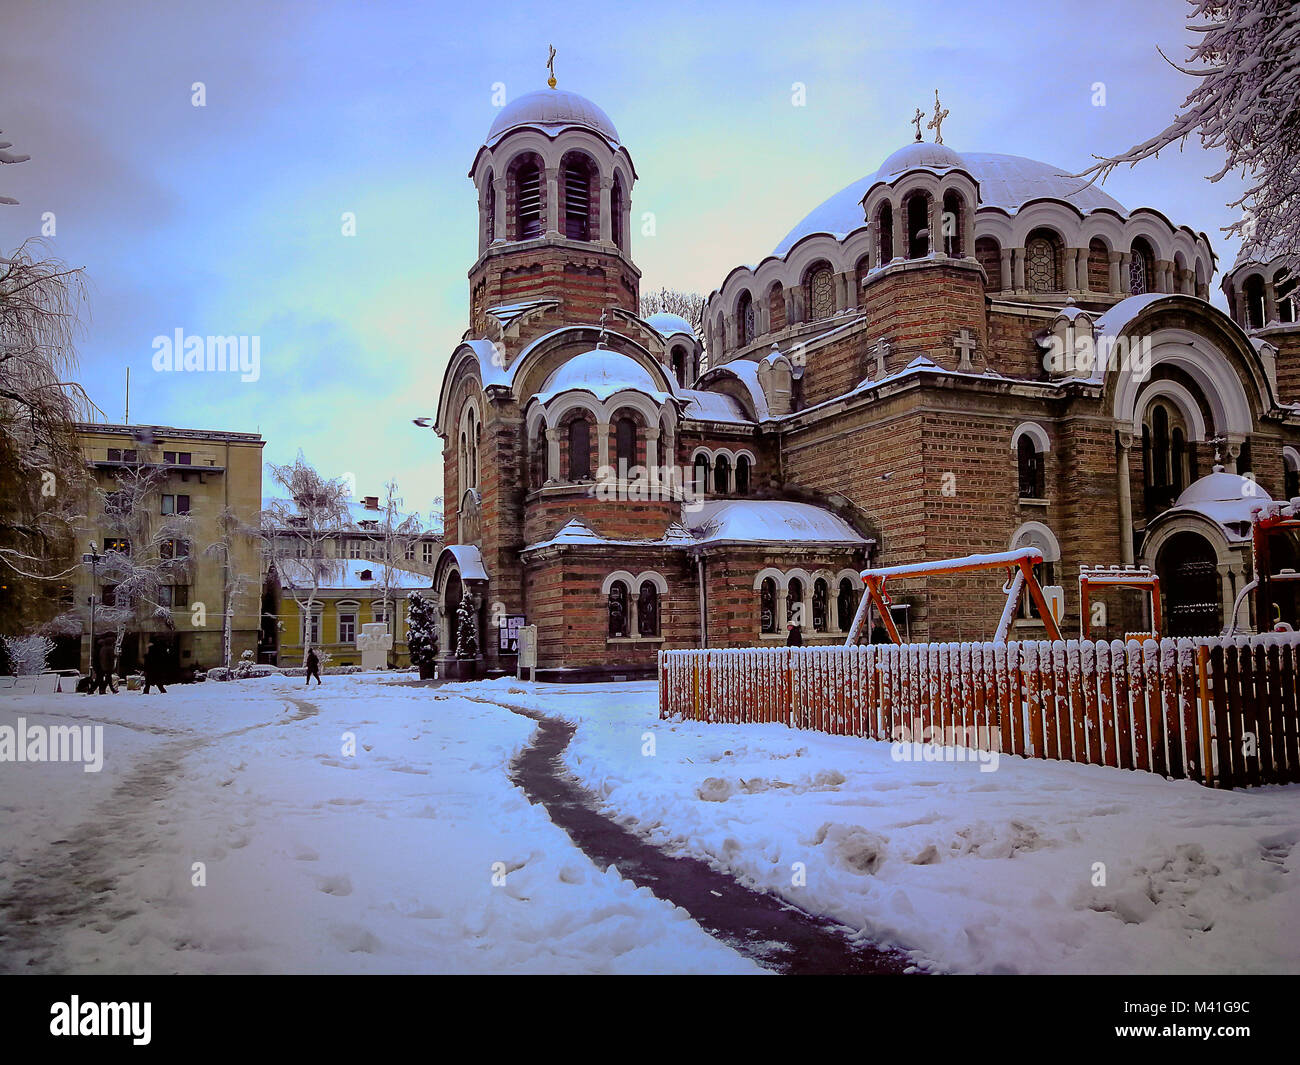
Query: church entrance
x: 1190, y: 587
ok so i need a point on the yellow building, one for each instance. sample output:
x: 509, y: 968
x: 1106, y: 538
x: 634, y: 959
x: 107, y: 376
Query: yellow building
x: 196, y: 472
x: 350, y: 595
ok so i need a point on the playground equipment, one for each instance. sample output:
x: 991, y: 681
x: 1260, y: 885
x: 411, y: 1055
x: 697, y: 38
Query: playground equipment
x: 1118, y: 577
x: 1264, y: 523
x: 1020, y: 578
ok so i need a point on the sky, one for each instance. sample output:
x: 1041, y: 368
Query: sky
x: 227, y: 219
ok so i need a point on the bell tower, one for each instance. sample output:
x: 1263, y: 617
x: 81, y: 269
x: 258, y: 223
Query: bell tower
x: 554, y: 200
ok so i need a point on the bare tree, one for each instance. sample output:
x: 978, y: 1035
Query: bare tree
x: 297, y: 529
x: 688, y: 305
x: 232, y: 531
x: 42, y: 473
x: 399, y: 538
x: 1247, y: 102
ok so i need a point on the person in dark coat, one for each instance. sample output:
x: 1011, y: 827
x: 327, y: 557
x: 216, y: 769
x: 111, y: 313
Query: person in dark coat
x: 313, y: 667
x: 795, y: 637
x: 155, y: 665
x: 102, y: 667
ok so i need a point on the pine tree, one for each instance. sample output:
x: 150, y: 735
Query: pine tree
x: 422, y: 633
x: 466, y: 630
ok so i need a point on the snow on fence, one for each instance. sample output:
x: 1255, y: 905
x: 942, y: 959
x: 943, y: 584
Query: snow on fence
x: 1169, y: 706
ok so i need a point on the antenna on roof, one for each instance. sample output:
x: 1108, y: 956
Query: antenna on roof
x: 550, y: 65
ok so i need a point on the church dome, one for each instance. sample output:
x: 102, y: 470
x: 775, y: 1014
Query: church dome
x: 1005, y: 181
x: 552, y: 109
x: 666, y: 324
x: 603, y: 373
x: 1223, y: 487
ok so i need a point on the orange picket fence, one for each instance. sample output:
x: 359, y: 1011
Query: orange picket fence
x: 1220, y: 711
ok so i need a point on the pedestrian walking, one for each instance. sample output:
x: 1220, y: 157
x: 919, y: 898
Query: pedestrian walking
x: 103, y: 665
x: 795, y: 636
x: 155, y: 665
x: 313, y: 667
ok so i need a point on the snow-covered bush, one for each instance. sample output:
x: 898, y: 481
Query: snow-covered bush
x: 422, y: 633
x: 245, y: 666
x: 219, y: 673
x: 28, y: 654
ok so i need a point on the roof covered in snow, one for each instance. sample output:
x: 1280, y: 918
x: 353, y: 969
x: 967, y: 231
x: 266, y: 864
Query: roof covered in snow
x: 666, y: 324
x: 1227, y: 499
x: 1005, y: 181
x: 603, y: 373
x: 469, y: 561
x: 768, y: 521
x: 713, y: 407
x: 552, y: 110
x: 348, y: 574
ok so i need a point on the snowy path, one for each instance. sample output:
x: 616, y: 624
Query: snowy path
x: 412, y: 854
x: 777, y: 935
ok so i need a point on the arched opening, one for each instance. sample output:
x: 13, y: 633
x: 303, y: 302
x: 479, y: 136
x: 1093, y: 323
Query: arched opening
x: 885, y: 229
x: 579, y: 449
x: 1043, y: 261
x: 1098, y: 266
x: 917, y: 207
x: 1165, y: 458
x: 679, y: 366
x: 1141, y: 268
x: 1190, y: 586
x: 820, y: 292
x: 722, y: 475
x: 742, y: 475
x: 538, y: 456
x: 767, y: 605
x: 989, y: 254
x: 951, y: 224
x: 701, y: 474
x: 647, y: 610
x: 617, y: 606
x: 616, y: 213
x: 577, y: 177
x: 821, y: 605
x: 1029, y: 468
x: 1284, y: 288
x: 528, y: 201
x: 625, y: 456
x: 1254, y: 291
x: 745, y: 319
x: 490, y: 209
x: 846, y: 604
x: 451, y: 597
x: 794, y: 603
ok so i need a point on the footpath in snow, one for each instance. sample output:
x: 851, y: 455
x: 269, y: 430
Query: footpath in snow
x: 969, y: 870
x: 412, y: 854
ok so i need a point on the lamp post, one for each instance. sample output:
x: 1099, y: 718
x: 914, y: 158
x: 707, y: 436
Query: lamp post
x: 92, y: 559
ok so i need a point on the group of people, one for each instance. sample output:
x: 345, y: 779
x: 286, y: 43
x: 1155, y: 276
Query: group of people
x: 157, y: 663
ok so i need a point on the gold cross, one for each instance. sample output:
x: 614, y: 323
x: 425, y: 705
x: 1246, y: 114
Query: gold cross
x: 937, y: 122
x: 916, y: 121
x: 550, y: 65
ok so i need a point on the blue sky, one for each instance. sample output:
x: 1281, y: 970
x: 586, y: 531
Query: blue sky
x: 225, y: 219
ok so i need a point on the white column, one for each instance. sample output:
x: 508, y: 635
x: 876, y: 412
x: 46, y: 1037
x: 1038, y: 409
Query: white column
x: 552, y: 455
x: 602, y: 444
x: 552, y: 178
x: 606, y: 199
x: 1007, y: 276
x: 1115, y: 260
x: 499, y: 210
x: 1019, y: 268
x: 1071, y: 270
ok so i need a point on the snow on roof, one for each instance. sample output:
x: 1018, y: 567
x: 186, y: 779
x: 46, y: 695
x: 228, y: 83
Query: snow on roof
x: 713, y: 407
x: 603, y: 373
x: 577, y: 532
x: 747, y: 373
x: 552, y: 109
x: 1227, y: 499
x: 468, y: 561
x: 348, y: 574
x: 768, y: 521
x: 1005, y: 181
x: 666, y: 324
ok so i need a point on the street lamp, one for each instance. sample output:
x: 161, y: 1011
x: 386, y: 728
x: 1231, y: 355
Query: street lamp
x: 92, y: 560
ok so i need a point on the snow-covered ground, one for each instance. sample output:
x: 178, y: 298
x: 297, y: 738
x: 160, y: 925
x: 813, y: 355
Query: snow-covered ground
x: 972, y: 871
x: 315, y: 860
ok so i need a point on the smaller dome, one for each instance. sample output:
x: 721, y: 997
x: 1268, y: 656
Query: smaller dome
x: 552, y: 108
x: 603, y: 373
x: 666, y: 324
x: 1223, y: 487
x: 917, y: 154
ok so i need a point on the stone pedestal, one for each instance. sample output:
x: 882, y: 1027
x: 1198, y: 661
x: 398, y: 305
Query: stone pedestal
x: 374, y: 644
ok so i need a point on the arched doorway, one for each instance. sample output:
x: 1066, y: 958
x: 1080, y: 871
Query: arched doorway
x: 1189, y: 584
x: 451, y: 611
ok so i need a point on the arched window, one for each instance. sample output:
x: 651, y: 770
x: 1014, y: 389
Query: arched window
x: 1285, y: 289
x: 579, y: 449
x: 1029, y: 465
x: 618, y: 610
x: 647, y: 610
x: 1255, y: 301
x: 742, y: 475
x: 539, y: 457
x: 1041, y: 274
x: 951, y: 226
x: 918, y: 226
x: 577, y: 198
x: 821, y: 293
x: 885, y: 227
x: 679, y: 366
x: 745, y: 319
x: 794, y: 603
x: 1159, y: 446
x: 616, y: 212
x: 528, y: 202
x: 767, y: 606
x: 846, y: 604
x: 1141, y: 267
x: 624, y: 444
x: 490, y: 209
x: 989, y: 253
x: 722, y: 475
x: 701, y: 474
x: 1037, y: 535
x: 821, y: 605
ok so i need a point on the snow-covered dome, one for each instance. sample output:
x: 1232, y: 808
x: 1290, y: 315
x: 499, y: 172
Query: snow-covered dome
x: 552, y: 109
x: 1225, y: 498
x: 666, y: 324
x: 1005, y: 181
x: 603, y: 373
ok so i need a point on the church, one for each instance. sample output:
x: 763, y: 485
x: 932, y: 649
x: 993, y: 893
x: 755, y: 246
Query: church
x: 961, y: 352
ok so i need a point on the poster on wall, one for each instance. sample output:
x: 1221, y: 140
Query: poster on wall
x: 508, y: 633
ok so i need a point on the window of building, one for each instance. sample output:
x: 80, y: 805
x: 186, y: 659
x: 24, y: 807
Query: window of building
x: 918, y: 226
x: 169, y: 457
x: 1254, y: 292
x: 767, y: 605
x: 1029, y: 463
x: 821, y: 605
x: 490, y: 209
x: 426, y: 552
x: 175, y: 504
x: 701, y: 474
x: 647, y: 609
x: 579, y: 450
x: 170, y: 549
x: 745, y: 319
x: 109, y: 595
x: 821, y: 293
x: 742, y: 475
x: 846, y: 604
x: 121, y: 546
x: 528, y: 202
x: 950, y: 225
x: 354, y: 548
x: 184, y: 458
x: 624, y: 444
x: 577, y: 200
x: 174, y: 596
x: 885, y: 227
x: 618, y: 612
x: 794, y: 603
x: 114, y: 454
x: 1040, y: 265
x: 378, y: 613
x: 616, y: 213
x: 722, y: 475
x: 1141, y: 268
x: 348, y: 627
x: 679, y: 366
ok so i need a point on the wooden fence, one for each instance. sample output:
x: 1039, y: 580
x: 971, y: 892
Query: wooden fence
x: 1170, y: 706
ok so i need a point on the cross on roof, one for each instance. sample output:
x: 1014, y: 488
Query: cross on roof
x: 937, y: 122
x: 882, y: 353
x: 916, y: 121
x: 965, y: 344
x: 550, y: 65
